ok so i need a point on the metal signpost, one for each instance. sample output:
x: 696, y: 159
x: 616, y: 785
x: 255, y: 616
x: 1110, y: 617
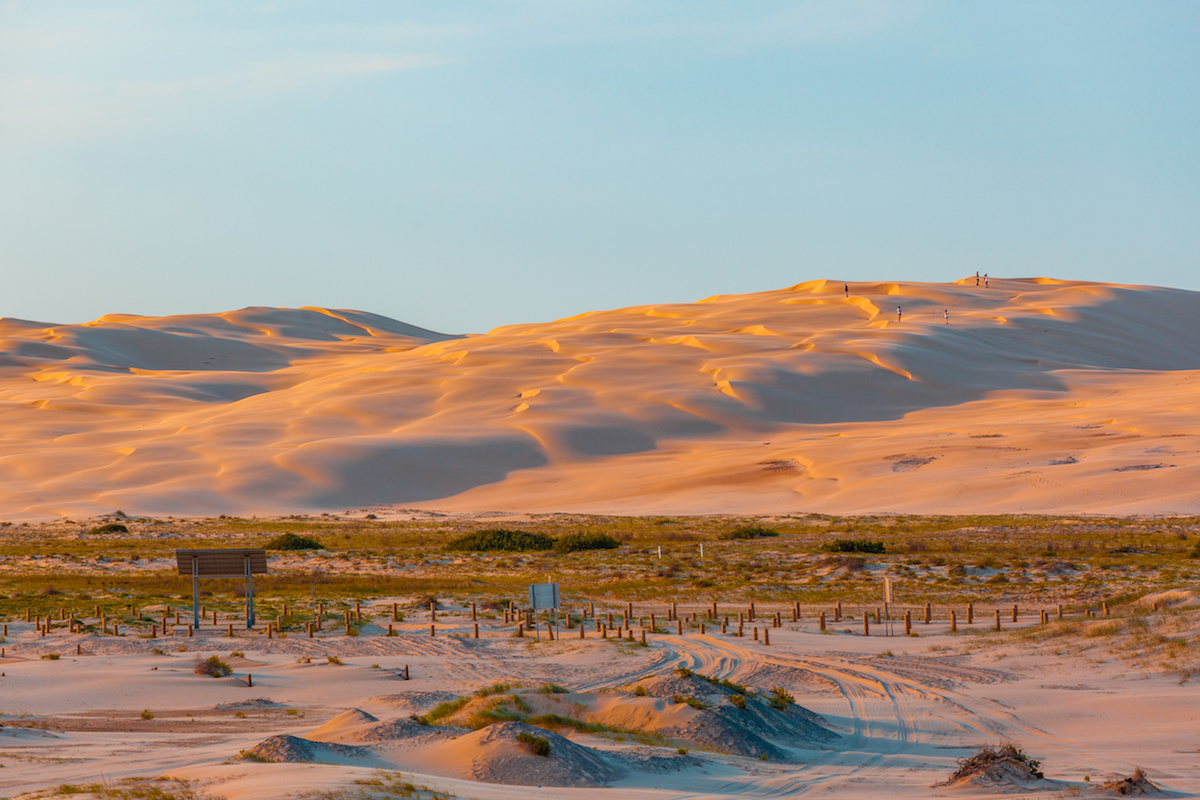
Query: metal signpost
x: 545, y: 596
x: 222, y: 564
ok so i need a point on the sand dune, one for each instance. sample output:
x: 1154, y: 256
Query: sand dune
x: 1037, y: 395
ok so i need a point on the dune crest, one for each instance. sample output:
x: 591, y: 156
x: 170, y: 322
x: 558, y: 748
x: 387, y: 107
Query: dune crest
x: 1035, y: 395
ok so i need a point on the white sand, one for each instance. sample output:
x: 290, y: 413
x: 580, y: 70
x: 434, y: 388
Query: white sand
x: 904, y: 719
x: 1039, y: 395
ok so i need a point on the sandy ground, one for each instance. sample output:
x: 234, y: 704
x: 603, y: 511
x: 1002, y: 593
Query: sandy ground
x: 906, y: 708
x: 1033, y: 396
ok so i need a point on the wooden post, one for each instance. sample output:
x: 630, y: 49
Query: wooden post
x: 190, y: 633
x: 310, y: 630
x: 928, y: 613
x: 396, y: 613
x: 651, y: 622
x: 724, y: 625
x: 214, y: 619
x: 701, y: 628
x: 643, y: 635
x: 270, y: 630
x: 837, y: 612
x: 432, y: 610
x: 550, y: 631
x: 520, y: 629
x: 1060, y: 611
x: 970, y: 613
x: 674, y: 610
x: 953, y: 621
x: 432, y: 632
x: 907, y: 622
x: 581, y: 635
x: 230, y: 632
x: 756, y: 633
x: 714, y: 610
x: 1014, y: 612
x: 997, y: 619
x: 1045, y: 617
x: 347, y: 623
x: 752, y: 616
x: 679, y: 627
x: 1106, y: 608
x: 822, y: 620
x: 866, y: 624
x: 766, y: 637
x: 473, y: 616
x: 249, y: 679
x: 476, y: 630
x: 115, y: 631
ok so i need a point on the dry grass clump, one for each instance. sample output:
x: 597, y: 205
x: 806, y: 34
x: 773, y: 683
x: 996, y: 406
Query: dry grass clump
x: 213, y: 666
x: 1135, y: 785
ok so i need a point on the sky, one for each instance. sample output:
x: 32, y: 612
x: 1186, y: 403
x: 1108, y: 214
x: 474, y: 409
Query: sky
x: 463, y: 165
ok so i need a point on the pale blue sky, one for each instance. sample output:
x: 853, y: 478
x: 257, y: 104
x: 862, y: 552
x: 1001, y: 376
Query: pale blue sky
x: 462, y: 165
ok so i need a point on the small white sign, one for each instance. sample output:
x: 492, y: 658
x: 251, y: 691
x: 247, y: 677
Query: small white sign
x: 543, y: 596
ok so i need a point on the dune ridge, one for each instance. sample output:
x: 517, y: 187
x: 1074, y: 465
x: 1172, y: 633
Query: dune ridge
x: 1037, y: 395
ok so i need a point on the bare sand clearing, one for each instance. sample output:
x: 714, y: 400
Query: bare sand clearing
x: 1037, y: 395
x: 872, y: 716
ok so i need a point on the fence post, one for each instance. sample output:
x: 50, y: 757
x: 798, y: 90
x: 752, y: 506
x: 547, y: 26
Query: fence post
x: 822, y: 620
x: 953, y: 621
x: 997, y: 619
x: 928, y: 613
x: 907, y: 622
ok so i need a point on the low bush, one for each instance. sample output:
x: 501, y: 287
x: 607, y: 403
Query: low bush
x: 212, y: 666
x: 738, y: 701
x: 538, y: 745
x: 748, y: 532
x: 508, y: 541
x: 290, y: 541
x: 112, y: 527
x: 855, y: 546
x: 573, y: 542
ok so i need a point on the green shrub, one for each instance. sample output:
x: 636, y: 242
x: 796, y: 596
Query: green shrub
x: 572, y: 542
x: 112, y: 527
x: 147, y: 715
x: 691, y: 701
x: 738, y: 701
x: 855, y: 546
x: 684, y: 672
x: 780, y: 699
x: 539, y: 745
x: 212, y: 666
x: 290, y: 541
x: 501, y: 539
x: 640, y: 691
x: 552, y: 688
x: 748, y: 532
x: 51, y: 656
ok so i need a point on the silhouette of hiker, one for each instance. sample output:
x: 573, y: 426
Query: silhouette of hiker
x: 899, y: 313
x: 947, y: 313
x: 847, y: 290
x: 985, y: 283
x: 976, y: 277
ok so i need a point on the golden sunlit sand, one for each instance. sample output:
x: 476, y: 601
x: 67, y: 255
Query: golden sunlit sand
x: 1032, y: 396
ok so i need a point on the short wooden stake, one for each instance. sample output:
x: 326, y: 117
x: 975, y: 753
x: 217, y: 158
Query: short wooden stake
x: 473, y: 617
x: 520, y: 629
x: 837, y: 612
x: 1106, y: 608
x: 679, y: 627
x: 249, y: 679
x: 432, y: 631
x: 701, y: 628
x: 1060, y: 611
x: 970, y: 613
x: 822, y: 618
x: 190, y: 632
x: 866, y: 625
x: 396, y: 613
x: 310, y: 630
x: 550, y: 631
x: 643, y: 635
x: 756, y: 633
x: 581, y: 635
x: 476, y: 630
x: 1014, y: 612
x: 907, y: 622
x: 953, y: 621
x: 997, y: 619
x: 766, y: 637
x: 928, y: 613
x: 230, y: 630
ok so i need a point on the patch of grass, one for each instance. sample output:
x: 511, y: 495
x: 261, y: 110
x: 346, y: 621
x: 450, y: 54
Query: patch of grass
x: 538, y: 745
x: 780, y: 699
x: 51, y: 656
x: 501, y: 539
x: 237, y: 654
x: 213, y: 666
x: 552, y: 688
x: 337, y: 662
x: 689, y: 700
x: 446, y: 709
x: 739, y: 701
x: 146, y: 714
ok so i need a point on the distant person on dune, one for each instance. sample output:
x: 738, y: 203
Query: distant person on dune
x: 976, y: 277
x: 847, y: 290
x: 899, y: 313
x: 947, y: 313
x: 985, y: 283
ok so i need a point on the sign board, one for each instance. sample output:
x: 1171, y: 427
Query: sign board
x: 544, y: 595
x: 221, y: 563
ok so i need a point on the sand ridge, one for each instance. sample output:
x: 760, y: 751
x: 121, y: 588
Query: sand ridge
x: 1036, y: 395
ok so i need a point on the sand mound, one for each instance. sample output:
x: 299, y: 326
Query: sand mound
x: 294, y: 748
x: 999, y: 767
x: 1136, y: 785
x: 351, y: 718
x: 802, y: 398
x: 1169, y: 598
x: 496, y: 755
